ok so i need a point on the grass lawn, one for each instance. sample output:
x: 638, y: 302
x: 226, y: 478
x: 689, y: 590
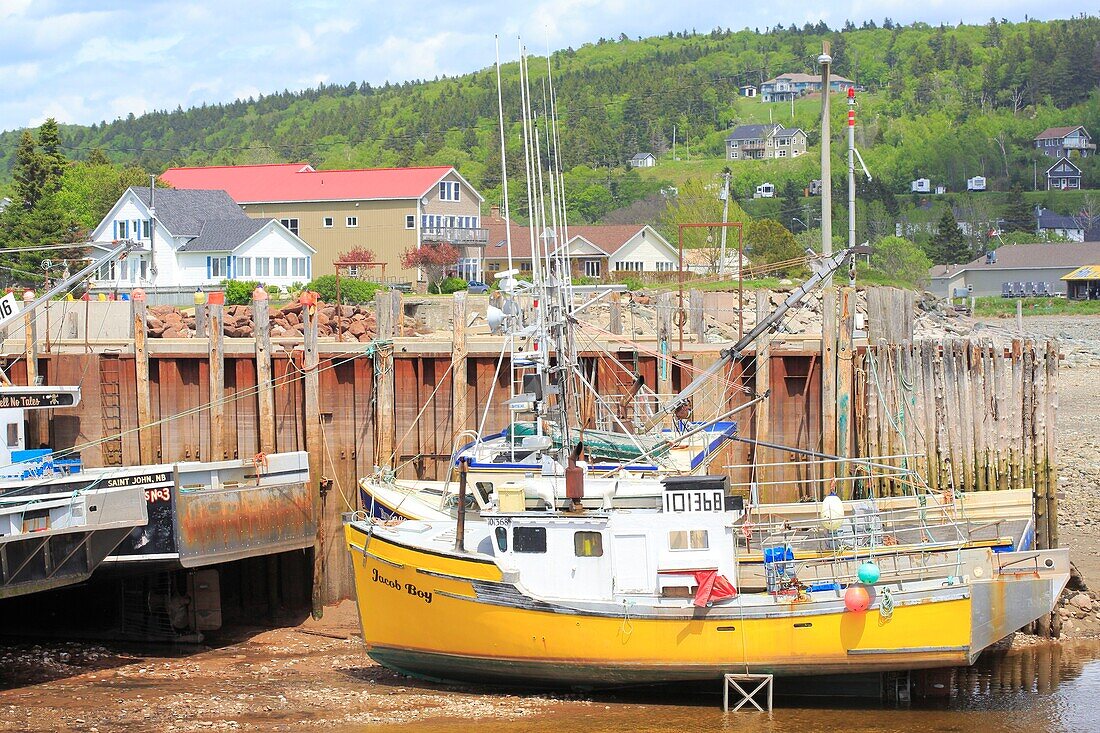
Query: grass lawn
x: 1006, y: 307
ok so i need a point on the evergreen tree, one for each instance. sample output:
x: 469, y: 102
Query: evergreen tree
x: 948, y: 246
x: 1018, y: 216
x: 52, y: 160
x: 28, y: 175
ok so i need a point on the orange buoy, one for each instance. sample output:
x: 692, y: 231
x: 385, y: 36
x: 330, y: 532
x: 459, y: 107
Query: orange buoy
x: 857, y: 599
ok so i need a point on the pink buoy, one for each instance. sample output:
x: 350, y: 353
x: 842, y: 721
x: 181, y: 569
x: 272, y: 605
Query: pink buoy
x: 857, y: 599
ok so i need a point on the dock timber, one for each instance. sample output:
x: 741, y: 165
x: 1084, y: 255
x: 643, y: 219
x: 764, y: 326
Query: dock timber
x: 971, y: 417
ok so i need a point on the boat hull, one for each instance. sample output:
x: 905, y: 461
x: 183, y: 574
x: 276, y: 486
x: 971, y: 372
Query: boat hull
x: 448, y: 617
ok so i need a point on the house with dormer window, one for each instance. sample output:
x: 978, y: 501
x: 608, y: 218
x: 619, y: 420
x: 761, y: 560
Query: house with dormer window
x: 188, y: 240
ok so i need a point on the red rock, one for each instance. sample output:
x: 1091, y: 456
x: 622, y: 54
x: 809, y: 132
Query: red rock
x: 292, y: 319
x: 357, y: 328
x: 365, y: 338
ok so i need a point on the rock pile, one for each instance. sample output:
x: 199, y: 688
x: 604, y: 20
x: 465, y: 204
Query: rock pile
x: 355, y: 323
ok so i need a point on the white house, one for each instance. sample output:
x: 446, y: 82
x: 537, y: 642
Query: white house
x: 596, y: 251
x: 199, y: 239
x: 643, y: 160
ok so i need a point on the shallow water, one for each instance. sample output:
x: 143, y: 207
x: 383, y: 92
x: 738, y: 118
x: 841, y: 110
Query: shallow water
x: 1045, y: 688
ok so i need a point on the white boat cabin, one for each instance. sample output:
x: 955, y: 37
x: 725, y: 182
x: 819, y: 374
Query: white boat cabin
x: 618, y: 556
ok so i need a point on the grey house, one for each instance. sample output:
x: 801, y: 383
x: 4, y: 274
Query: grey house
x: 1063, y: 175
x: 1064, y: 142
x: 1014, y: 263
x: 760, y: 142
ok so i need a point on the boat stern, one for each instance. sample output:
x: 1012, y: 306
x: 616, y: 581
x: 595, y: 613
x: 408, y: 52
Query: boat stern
x: 1023, y: 587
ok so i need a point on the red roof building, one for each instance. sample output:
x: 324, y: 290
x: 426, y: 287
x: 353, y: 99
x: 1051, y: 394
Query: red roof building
x: 385, y: 210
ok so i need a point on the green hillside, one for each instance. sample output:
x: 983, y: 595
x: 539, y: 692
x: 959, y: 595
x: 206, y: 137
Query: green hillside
x: 944, y: 102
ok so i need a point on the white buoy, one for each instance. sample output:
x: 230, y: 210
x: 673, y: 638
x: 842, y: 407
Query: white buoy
x: 832, y: 512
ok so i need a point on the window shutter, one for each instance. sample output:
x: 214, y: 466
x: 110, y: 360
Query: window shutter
x: 209, y: 274
x: 231, y: 267
x: 114, y: 229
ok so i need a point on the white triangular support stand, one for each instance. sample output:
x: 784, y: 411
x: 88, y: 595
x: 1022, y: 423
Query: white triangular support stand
x: 743, y: 684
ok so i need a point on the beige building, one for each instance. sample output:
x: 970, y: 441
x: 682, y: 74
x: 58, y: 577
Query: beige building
x: 385, y: 210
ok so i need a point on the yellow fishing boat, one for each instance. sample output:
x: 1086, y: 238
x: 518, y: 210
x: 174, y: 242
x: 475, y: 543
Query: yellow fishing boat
x: 640, y: 596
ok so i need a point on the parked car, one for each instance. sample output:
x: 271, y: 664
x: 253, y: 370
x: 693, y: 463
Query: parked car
x: 476, y: 288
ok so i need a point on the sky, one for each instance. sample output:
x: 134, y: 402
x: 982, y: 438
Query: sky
x: 90, y: 61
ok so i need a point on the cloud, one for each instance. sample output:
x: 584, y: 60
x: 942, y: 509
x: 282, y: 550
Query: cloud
x: 110, y: 59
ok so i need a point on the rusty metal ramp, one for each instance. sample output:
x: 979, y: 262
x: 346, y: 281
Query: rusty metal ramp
x: 229, y: 510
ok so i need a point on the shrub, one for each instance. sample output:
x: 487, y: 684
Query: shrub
x: 632, y: 282
x: 352, y: 291
x: 448, y: 286
x: 239, y: 292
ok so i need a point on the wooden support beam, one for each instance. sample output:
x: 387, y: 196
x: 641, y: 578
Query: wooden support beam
x: 616, y: 319
x: 265, y: 391
x: 844, y: 373
x: 1051, y: 460
x: 459, y: 382
x: 146, y: 448
x: 762, y: 421
x: 202, y: 316
x: 695, y: 311
x: 828, y: 382
x: 384, y: 417
x: 315, y: 448
x: 214, y: 321
x: 664, y: 343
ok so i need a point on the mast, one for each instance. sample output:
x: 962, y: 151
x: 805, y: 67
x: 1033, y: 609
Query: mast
x: 503, y: 161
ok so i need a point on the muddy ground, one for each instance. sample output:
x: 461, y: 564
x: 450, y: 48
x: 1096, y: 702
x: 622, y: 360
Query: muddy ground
x: 315, y: 676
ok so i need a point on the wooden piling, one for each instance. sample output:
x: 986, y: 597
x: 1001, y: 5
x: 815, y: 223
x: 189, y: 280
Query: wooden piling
x: 214, y: 321
x: 459, y: 377
x: 146, y: 445
x: 844, y: 377
x: 695, y: 309
x: 762, y: 416
x: 315, y: 447
x: 664, y: 343
x: 1051, y: 459
x: 828, y: 381
x: 265, y: 392
x: 615, y: 323
x: 384, y: 383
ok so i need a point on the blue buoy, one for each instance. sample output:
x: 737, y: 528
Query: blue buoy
x: 869, y: 573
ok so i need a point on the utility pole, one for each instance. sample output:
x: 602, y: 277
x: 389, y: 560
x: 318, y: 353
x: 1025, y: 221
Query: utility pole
x: 674, y: 142
x: 851, y: 167
x: 152, y: 228
x: 826, y: 173
x: 725, y: 218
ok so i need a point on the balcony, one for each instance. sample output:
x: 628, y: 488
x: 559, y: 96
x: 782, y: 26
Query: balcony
x: 463, y: 236
x: 1070, y: 144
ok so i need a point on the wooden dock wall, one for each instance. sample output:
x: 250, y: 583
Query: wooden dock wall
x: 976, y: 418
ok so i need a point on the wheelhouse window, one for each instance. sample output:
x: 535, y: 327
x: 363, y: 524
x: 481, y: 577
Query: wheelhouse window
x: 695, y: 539
x: 529, y: 539
x: 501, y: 534
x: 588, y: 544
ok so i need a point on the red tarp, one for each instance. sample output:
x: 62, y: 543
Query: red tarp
x: 712, y: 587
